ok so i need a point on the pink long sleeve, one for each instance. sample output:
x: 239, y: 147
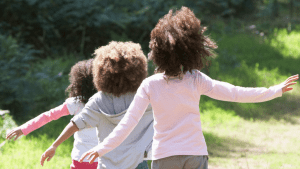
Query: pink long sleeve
x: 228, y: 92
x: 44, y: 118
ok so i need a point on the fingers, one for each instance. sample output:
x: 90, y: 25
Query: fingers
x: 8, y: 137
x: 292, y: 83
x: 83, y: 156
x: 10, y: 134
x: 50, y: 158
x: 89, y: 157
x: 15, y: 132
x: 292, y: 78
x: 288, y: 89
x: 43, y: 158
x: 16, y: 137
x: 93, y: 159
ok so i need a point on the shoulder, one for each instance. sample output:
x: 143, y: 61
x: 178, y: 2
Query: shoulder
x: 98, y: 97
x: 199, y: 75
x: 154, y: 78
x: 74, y: 105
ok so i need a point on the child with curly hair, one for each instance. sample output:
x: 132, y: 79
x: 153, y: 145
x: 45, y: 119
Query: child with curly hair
x: 81, y: 88
x: 118, y: 69
x: 180, y: 50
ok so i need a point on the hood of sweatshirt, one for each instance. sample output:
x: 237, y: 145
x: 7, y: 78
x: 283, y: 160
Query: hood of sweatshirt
x: 114, y: 108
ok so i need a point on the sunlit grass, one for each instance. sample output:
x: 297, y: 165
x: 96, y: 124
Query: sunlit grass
x: 251, y: 144
x: 26, y: 153
x: 288, y: 43
x: 27, y: 150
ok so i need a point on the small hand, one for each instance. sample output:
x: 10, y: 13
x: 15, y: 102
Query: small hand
x: 91, y: 153
x: 49, y: 153
x: 288, y: 82
x: 15, y: 132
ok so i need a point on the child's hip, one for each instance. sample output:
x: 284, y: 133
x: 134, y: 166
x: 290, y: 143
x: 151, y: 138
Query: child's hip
x: 181, y: 162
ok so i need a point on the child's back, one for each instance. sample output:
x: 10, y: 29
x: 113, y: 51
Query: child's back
x: 175, y: 105
x: 105, y: 111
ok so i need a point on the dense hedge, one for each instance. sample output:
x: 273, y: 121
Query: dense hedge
x: 29, y: 84
x: 80, y: 26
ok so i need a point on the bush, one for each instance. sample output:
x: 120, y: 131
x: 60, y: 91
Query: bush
x: 227, y: 7
x: 51, y: 76
x: 29, y: 85
x: 15, y: 61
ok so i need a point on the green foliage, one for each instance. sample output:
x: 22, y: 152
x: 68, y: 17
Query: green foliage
x: 30, y: 86
x: 51, y: 76
x: 80, y: 26
x: 15, y: 62
x: 227, y: 7
x: 287, y: 43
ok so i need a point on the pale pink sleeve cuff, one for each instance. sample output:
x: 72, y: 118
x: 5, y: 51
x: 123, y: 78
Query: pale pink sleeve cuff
x: 44, y: 118
x: 278, y: 90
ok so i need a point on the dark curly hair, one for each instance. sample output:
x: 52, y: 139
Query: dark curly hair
x: 119, y: 67
x: 81, y: 81
x: 178, y: 45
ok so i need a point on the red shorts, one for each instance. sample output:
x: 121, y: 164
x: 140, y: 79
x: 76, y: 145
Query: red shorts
x: 84, y: 165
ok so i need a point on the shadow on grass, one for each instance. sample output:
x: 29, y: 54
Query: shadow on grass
x: 226, y: 147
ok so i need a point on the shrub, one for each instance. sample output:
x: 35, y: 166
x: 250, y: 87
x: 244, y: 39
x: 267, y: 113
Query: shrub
x: 15, y: 61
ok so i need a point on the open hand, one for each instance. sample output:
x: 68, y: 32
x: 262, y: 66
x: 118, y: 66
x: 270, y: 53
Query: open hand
x: 288, y: 82
x: 15, y: 132
x: 92, y: 154
x: 49, y: 153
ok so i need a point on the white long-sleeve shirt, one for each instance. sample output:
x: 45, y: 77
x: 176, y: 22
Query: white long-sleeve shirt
x: 83, y: 140
x: 175, y: 103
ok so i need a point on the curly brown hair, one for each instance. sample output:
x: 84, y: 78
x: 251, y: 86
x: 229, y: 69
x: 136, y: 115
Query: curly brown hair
x: 119, y: 67
x: 178, y: 45
x: 81, y: 81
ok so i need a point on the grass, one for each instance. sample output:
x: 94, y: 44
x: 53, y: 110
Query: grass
x: 251, y: 144
x: 262, y: 135
x: 27, y: 150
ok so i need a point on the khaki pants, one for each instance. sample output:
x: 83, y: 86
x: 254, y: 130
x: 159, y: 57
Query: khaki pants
x: 181, y: 162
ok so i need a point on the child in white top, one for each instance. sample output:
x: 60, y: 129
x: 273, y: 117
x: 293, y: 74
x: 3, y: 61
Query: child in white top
x: 81, y: 88
x: 179, y: 49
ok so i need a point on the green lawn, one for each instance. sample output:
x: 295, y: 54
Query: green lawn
x: 263, y: 135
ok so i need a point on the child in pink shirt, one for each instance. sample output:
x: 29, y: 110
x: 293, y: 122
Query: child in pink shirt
x: 81, y: 88
x: 179, y: 49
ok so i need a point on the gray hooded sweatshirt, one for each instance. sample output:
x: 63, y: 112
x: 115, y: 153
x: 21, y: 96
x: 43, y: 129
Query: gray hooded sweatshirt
x: 104, y: 111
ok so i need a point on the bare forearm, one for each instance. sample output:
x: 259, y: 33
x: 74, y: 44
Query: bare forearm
x: 69, y: 130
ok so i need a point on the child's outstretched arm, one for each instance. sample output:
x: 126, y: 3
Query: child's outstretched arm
x: 228, y: 92
x: 69, y: 130
x: 39, y: 121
